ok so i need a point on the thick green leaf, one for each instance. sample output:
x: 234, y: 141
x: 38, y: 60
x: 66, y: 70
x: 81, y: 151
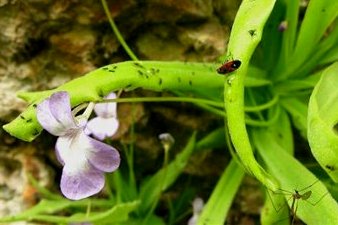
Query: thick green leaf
x: 322, y: 121
x: 245, y: 36
x: 275, y: 210
x: 275, y: 205
x: 151, y: 75
x: 282, y: 132
x: 320, y: 208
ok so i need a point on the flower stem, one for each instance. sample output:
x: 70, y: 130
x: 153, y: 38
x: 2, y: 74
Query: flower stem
x: 117, y: 32
x: 88, y: 110
x: 165, y: 99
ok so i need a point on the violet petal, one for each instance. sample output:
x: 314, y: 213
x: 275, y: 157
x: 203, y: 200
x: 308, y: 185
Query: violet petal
x: 102, y: 156
x: 54, y: 114
x: 61, y: 109
x: 81, y: 184
x: 79, y: 148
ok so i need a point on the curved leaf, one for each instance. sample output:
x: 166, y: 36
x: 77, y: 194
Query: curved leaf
x: 320, y: 208
x: 322, y: 121
x: 151, y: 75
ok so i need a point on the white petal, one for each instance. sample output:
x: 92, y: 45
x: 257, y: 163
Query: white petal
x: 102, y: 127
x: 71, y: 148
x: 106, y: 110
x: 78, y: 150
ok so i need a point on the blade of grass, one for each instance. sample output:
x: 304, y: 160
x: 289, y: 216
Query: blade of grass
x: 327, y: 48
x: 318, y: 17
x: 289, y: 35
x: 219, y: 203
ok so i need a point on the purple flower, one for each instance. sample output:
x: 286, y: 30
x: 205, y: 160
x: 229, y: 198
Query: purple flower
x: 106, y: 123
x: 84, y: 159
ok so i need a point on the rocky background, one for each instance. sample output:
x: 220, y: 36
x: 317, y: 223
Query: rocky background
x: 45, y: 43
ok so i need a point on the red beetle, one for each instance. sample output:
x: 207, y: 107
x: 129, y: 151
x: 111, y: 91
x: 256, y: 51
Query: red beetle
x: 229, y: 66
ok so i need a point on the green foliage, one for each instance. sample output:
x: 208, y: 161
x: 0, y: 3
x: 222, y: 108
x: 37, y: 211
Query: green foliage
x: 151, y: 189
x: 111, y: 212
x: 322, y: 122
x: 267, y: 96
x: 156, y: 76
x: 245, y: 36
x: 295, y: 176
x: 220, y: 201
x: 41, y: 212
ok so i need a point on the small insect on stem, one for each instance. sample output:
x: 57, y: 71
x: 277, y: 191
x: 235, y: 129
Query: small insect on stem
x: 229, y: 66
x: 297, y: 195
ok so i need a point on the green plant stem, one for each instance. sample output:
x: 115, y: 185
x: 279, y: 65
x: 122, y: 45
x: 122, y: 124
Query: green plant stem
x: 117, y: 32
x: 130, y: 155
x: 264, y: 106
x: 165, y: 99
x: 198, y: 101
x: 264, y: 123
x: 206, y: 104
